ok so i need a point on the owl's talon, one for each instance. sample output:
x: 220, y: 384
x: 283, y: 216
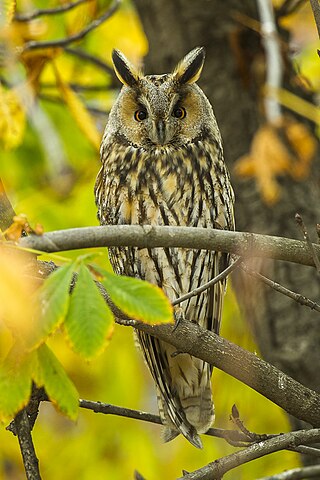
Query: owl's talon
x: 178, y: 317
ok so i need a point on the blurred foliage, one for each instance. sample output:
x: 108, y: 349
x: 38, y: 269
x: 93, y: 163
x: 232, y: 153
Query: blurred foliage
x: 49, y: 161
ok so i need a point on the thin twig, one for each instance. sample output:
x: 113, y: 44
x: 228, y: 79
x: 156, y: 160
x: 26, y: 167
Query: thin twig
x: 209, y: 284
x: 231, y: 436
x: 305, y: 233
x: 289, y: 7
x: 62, y: 42
x: 30, y: 460
x: 316, y: 13
x: 78, y: 87
x: 138, y: 476
x: 26, y: 17
x: 297, y: 297
x: 273, y: 59
x: 296, y: 474
x: 77, y: 52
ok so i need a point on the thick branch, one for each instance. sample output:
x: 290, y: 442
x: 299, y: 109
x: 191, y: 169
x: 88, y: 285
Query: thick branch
x: 222, y: 465
x: 240, y: 243
x: 263, y: 377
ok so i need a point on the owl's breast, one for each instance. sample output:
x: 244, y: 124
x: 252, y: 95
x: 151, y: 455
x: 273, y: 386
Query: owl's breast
x: 185, y: 186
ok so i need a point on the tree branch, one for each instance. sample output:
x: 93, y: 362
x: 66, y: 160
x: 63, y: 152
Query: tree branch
x: 209, y: 284
x: 274, y: 62
x: 30, y: 460
x: 292, y: 396
x: 297, y: 297
x: 239, y: 243
x: 77, y: 52
x: 233, y: 437
x: 223, y: 465
x: 26, y: 17
x: 296, y: 474
x: 62, y: 42
x: 108, y: 409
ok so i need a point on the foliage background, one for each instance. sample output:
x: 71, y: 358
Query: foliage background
x: 53, y: 186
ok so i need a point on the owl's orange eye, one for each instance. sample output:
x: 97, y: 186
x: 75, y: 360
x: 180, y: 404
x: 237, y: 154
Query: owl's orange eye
x: 179, y: 112
x: 140, y: 115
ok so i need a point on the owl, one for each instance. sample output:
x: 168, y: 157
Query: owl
x: 162, y: 164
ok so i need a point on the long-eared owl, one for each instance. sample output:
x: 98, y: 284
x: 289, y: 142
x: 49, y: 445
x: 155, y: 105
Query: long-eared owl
x: 162, y: 164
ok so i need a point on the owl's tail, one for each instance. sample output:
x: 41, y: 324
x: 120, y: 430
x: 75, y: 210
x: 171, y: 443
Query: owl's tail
x: 187, y: 407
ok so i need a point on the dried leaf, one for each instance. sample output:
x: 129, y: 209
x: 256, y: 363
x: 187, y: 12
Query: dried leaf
x: 35, y: 61
x: 286, y: 149
x: 20, y: 224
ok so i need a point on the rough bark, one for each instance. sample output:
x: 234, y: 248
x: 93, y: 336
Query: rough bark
x: 288, y: 335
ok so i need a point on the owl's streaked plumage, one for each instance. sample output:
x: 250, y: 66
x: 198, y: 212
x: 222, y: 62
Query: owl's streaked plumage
x: 162, y: 164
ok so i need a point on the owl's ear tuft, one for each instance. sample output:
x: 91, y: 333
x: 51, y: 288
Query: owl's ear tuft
x: 127, y: 73
x: 189, y: 68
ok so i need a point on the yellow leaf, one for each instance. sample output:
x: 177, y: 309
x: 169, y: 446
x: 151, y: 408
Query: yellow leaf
x: 12, y: 119
x: 8, y: 7
x: 78, y: 111
x: 16, y: 309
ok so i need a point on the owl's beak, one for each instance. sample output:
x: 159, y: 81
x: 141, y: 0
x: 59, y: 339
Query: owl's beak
x: 159, y: 132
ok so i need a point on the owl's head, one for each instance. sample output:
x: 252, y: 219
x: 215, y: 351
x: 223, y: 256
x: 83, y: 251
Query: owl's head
x: 160, y: 110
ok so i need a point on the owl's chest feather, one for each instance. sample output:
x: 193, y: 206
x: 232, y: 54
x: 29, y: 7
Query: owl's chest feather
x: 180, y: 187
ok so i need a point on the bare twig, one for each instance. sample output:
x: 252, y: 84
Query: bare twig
x: 209, y: 284
x: 218, y: 468
x: 231, y: 436
x: 138, y: 476
x: 305, y: 234
x: 30, y: 460
x: 26, y: 17
x: 62, y: 42
x: 77, y: 52
x: 316, y: 13
x: 296, y: 474
x: 273, y: 59
x: 78, y: 87
x: 239, y: 243
x: 288, y: 7
x: 297, y: 297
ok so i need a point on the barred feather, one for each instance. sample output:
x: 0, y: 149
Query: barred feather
x: 188, y: 186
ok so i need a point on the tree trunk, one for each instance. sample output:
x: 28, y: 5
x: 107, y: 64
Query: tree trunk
x: 288, y: 335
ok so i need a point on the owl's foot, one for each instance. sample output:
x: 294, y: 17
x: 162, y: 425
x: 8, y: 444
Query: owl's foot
x: 178, y: 317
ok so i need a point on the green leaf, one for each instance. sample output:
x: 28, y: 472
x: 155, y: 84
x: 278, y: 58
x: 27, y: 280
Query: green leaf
x: 52, y: 304
x: 89, y: 323
x: 58, y: 386
x: 15, y: 383
x: 138, y: 299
